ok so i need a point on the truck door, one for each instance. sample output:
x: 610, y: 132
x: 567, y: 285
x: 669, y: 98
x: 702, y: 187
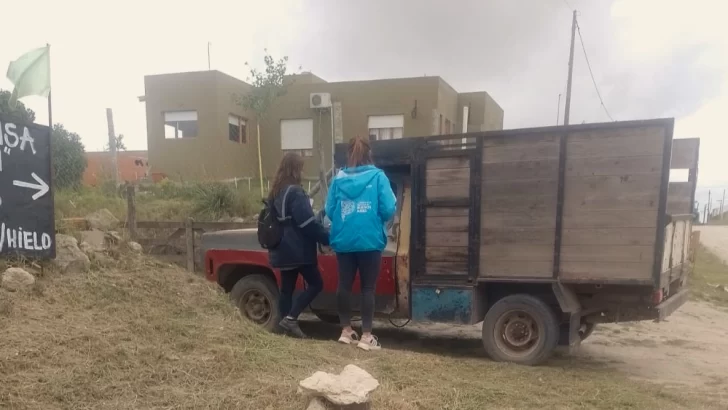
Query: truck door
x: 446, y: 226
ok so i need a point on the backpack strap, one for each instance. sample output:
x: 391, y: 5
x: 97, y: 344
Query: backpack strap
x: 283, y: 216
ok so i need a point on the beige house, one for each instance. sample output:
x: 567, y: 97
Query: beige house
x: 196, y: 130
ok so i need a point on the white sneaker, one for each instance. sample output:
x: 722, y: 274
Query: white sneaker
x: 369, y: 343
x: 348, y: 338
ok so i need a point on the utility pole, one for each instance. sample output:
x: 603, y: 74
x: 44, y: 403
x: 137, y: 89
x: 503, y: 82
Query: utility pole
x: 567, y: 107
x: 558, y: 110
x: 722, y: 201
x: 112, y: 145
x: 208, y: 56
x: 710, y: 208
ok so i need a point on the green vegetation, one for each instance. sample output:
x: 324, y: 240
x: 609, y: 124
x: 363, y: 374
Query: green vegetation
x: 69, y: 159
x: 710, y: 278
x: 165, y: 201
x: 19, y: 112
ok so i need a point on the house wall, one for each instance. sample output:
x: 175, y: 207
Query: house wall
x: 99, y: 166
x: 211, y: 93
x: 484, y: 113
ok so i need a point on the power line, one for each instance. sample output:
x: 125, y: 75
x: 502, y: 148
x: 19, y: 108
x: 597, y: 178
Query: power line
x: 581, y: 40
x: 568, y: 5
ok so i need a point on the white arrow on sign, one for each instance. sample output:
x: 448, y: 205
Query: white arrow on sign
x: 41, y: 186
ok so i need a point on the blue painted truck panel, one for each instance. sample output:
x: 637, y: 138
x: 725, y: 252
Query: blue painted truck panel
x: 442, y: 304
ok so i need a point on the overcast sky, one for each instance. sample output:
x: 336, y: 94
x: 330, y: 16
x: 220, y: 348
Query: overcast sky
x: 651, y: 58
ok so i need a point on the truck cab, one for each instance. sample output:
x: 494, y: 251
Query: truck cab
x: 540, y: 234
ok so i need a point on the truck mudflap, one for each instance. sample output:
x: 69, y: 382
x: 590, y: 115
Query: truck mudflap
x: 671, y: 304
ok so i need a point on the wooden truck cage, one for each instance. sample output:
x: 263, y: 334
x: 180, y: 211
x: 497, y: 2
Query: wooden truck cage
x: 578, y: 204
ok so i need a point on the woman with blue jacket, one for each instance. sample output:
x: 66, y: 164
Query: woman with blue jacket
x: 360, y: 203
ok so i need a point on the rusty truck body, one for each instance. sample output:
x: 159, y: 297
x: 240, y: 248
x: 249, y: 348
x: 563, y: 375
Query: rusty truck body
x: 539, y: 233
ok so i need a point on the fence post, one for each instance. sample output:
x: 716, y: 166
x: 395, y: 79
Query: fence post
x: 190, y: 236
x: 131, y: 220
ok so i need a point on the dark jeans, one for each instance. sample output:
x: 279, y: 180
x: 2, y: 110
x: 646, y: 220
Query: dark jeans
x: 367, y: 263
x: 314, y: 284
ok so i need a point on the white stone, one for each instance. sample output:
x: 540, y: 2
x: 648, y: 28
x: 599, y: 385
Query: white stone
x: 69, y: 258
x: 135, y: 247
x: 102, y: 220
x: 317, y: 403
x: 16, y: 279
x: 95, y: 238
x: 351, y: 386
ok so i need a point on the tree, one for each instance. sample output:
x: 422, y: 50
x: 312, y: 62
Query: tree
x: 120, y: 146
x: 268, y: 85
x: 69, y: 157
x: 18, y: 113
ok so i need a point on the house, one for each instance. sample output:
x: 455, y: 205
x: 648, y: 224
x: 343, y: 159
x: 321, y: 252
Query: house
x: 196, y: 129
x: 132, y: 166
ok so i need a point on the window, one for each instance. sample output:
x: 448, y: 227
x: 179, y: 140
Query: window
x: 180, y: 124
x: 386, y: 127
x: 297, y: 136
x: 237, y: 129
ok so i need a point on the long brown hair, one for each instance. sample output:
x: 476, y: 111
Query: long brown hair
x: 360, y: 153
x: 288, y: 173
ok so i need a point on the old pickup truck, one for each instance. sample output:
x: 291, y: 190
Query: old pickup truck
x: 540, y: 234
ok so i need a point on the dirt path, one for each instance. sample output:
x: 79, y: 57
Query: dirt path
x: 686, y: 350
x: 715, y: 238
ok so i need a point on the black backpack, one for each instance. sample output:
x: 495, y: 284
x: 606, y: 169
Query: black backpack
x: 270, y: 226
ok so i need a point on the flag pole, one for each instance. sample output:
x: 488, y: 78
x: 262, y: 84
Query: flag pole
x: 50, y: 105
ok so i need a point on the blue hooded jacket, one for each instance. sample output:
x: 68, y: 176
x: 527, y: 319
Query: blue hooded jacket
x: 359, y: 204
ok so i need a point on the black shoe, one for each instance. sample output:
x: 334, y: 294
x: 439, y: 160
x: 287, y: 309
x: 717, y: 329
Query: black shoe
x: 290, y: 326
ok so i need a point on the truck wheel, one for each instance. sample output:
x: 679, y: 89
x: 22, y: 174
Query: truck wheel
x: 257, y: 298
x: 520, y: 329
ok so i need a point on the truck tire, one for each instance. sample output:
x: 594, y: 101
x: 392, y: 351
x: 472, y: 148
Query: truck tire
x: 257, y: 298
x: 521, y: 329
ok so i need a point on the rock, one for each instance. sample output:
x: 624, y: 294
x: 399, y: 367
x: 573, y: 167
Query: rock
x: 102, y: 220
x: 317, y: 403
x: 254, y: 218
x: 113, y: 237
x: 69, y: 258
x: 95, y: 239
x: 16, y: 279
x: 86, y: 248
x: 238, y: 219
x: 135, y: 247
x: 225, y: 219
x: 351, y: 386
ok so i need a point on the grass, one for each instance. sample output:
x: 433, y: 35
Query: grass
x: 710, y: 277
x: 151, y: 336
x: 170, y: 201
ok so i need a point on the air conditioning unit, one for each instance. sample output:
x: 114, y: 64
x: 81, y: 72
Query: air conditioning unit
x: 320, y: 100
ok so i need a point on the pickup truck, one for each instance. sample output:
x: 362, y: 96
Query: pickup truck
x: 540, y: 234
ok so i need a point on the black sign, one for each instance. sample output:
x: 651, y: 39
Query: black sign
x: 27, y: 224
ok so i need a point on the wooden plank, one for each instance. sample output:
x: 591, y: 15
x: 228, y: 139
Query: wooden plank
x: 190, y: 249
x: 610, y: 219
x: 667, y: 247
x: 448, y: 162
x: 680, y: 190
x: 441, y: 192
x: 131, y: 214
x: 546, y: 203
x: 438, y: 239
x: 512, y: 235
x: 445, y: 211
x: 507, y: 171
x: 686, y: 241
x: 612, y: 192
x: 446, y: 268
x: 446, y: 223
x: 160, y: 224
x: 678, y: 240
x: 583, y: 167
x: 616, y: 142
x: 520, y: 188
x: 517, y: 252
x: 599, y: 271
x: 541, y: 269
x: 607, y: 253
x: 545, y: 218
x: 446, y: 254
x: 685, y: 153
x: 609, y: 236
x: 678, y: 206
x: 448, y: 176
x: 520, y: 149
x: 220, y: 226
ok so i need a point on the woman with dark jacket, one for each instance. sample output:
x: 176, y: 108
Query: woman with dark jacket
x: 296, y: 254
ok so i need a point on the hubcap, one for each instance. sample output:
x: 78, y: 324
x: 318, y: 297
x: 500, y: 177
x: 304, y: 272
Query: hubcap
x: 517, y: 333
x: 256, y: 306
